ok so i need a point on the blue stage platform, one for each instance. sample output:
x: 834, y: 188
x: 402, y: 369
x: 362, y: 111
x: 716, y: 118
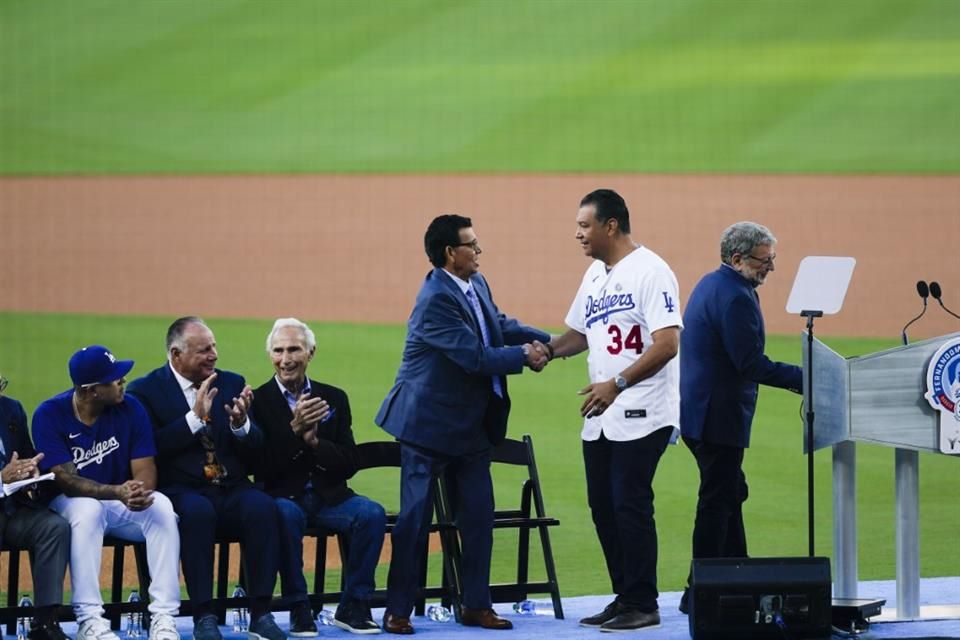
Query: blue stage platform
x: 933, y: 591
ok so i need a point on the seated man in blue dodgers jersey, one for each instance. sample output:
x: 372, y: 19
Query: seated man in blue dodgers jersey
x: 27, y: 523
x: 627, y: 312
x: 448, y: 408
x: 206, y: 444
x: 309, y: 454
x: 721, y: 364
x: 99, y: 444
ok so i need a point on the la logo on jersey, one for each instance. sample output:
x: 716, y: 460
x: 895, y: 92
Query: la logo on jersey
x: 604, y: 306
x: 668, y: 303
x: 943, y: 393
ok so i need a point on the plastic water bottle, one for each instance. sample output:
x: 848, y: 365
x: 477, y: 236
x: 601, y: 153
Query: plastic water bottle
x: 325, y: 617
x: 24, y: 622
x: 439, y: 613
x: 531, y: 608
x: 134, y: 618
x: 240, y: 615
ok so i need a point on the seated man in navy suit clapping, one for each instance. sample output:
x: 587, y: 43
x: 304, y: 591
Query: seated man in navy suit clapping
x: 205, y: 441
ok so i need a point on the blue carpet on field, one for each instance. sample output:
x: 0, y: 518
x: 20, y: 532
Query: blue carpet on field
x: 933, y: 591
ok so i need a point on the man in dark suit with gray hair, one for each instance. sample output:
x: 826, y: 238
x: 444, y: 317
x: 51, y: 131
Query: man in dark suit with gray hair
x: 309, y: 454
x: 721, y: 365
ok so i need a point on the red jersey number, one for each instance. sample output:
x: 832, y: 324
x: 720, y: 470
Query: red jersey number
x: 618, y: 344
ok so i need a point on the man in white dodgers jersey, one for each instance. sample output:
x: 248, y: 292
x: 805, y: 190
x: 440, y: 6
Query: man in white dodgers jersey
x: 627, y: 313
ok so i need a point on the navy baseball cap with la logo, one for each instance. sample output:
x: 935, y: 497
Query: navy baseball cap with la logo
x: 96, y: 365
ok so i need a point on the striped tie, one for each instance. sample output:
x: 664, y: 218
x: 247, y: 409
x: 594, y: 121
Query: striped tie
x: 478, y: 312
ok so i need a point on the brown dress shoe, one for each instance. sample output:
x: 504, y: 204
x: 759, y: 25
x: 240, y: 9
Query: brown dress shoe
x: 486, y: 618
x: 396, y: 624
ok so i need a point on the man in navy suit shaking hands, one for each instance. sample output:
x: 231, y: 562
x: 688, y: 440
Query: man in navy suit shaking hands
x: 721, y: 365
x: 448, y: 408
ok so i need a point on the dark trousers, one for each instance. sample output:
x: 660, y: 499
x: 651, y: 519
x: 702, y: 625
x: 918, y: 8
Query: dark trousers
x: 718, y: 530
x: 620, y: 495
x: 241, y: 511
x: 362, y: 519
x: 473, y: 506
x: 46, y: 536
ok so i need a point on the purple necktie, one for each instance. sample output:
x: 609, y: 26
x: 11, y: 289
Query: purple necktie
x: 478, y: 312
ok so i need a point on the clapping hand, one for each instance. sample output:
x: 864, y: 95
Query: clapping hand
x: 307, y: 414
x: 205, y: 396
x: 238, y: 410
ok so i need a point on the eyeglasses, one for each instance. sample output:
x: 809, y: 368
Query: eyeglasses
x: 473, y: 244
x: 765, y: 262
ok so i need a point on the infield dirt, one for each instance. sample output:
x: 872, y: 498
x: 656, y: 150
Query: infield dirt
x: 349, y: 248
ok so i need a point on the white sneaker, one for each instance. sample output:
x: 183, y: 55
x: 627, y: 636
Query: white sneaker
x: 96, y: 629
x: 162, y: 627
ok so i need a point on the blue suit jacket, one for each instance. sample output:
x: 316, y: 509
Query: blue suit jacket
x: 180, y: 455
x: 722, y: 360
x: 16, y: 437
x: 442, y: 399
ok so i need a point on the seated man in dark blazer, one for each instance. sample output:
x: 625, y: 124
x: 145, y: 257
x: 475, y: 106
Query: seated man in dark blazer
x: 309, y: 454
x: 205, y: 443
x: 27, y: 523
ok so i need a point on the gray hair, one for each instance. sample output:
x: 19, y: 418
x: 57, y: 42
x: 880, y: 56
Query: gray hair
x: 282, y: 323
x: 743, y: 238
x: 178, y: 328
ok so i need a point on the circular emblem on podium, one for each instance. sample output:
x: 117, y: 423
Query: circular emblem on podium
x: 943, y: 393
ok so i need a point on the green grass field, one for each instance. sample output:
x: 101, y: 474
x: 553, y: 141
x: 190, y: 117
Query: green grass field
x: 34, y: 349
x: 741, y: 86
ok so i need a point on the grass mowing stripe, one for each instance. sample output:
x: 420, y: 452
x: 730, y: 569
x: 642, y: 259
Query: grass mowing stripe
x: 485, y: 86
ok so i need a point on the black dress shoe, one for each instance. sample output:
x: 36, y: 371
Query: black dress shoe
x: 48, y: 630
x: 631, y: 620
x: 396, y: 624
x: 354, y: 616
x: 685, y: 602
x: 609, y: 613
x: 302, y: 624
x: 485, y: 618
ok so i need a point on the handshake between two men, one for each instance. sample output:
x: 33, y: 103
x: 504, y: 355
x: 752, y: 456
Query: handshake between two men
x: 538, y: 355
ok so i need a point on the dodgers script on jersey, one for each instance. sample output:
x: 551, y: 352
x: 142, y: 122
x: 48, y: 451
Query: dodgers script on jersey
x: 617, y: 312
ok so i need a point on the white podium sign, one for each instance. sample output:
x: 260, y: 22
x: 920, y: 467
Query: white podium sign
x: 821, y: 284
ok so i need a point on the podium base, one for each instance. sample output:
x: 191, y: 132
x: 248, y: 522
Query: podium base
x: 849, y: 615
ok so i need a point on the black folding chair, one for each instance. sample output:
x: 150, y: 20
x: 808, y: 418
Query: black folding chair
x: 530, y: 514
x: 386, y: 454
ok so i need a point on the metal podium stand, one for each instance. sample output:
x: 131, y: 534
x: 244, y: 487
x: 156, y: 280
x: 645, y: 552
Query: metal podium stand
x: 877, y: 398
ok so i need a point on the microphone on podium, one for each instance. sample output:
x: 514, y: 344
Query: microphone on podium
x: 923, y: 291
x: 936, y: 293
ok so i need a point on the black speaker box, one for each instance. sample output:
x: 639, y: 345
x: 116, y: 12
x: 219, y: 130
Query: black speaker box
x: 758, y: 598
